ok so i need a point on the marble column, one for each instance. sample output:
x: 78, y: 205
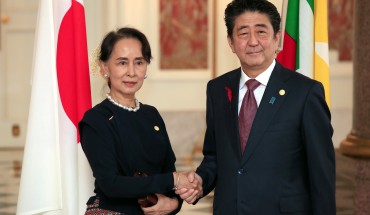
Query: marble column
x: 357, y: 142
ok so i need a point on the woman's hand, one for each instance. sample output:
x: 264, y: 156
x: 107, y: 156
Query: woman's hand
x: 190, y: 187
x: 165, y: 205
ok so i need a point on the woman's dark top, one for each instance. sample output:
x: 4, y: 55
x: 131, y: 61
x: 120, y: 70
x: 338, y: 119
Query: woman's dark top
x: 119, y: 143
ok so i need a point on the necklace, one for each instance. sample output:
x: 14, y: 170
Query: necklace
x: 136, y: 108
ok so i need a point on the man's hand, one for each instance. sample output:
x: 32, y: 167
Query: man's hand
x: 189, y: 187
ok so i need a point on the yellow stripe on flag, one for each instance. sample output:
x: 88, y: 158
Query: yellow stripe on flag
x: 322, y: 74
x: 321, y: 21
x: 321, y: 59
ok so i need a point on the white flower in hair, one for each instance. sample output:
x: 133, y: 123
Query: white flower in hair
x: 94, y: 62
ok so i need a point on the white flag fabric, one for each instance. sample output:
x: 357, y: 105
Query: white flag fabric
x: 56, y: 178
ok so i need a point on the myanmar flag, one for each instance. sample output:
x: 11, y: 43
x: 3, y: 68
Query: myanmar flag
x: 305, y: 40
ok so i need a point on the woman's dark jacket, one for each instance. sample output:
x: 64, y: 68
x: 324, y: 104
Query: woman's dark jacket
x: 119, y: 143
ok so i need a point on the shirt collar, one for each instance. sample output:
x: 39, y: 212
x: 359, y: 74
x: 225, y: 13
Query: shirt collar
x: 263, y: 78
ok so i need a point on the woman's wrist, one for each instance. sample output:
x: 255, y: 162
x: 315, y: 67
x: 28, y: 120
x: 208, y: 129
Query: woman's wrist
x: 174, y: 203
x: 176, y: 180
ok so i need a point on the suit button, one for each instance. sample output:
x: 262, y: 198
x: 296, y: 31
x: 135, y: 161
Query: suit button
x: 240, y: 171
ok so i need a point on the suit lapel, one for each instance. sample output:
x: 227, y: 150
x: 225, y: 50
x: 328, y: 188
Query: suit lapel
x: 232, y: 111
x: 273, y: 97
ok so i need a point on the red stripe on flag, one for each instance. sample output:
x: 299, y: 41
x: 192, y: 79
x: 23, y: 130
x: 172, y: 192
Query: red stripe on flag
x: 287, y: 56
x: 72, y: 64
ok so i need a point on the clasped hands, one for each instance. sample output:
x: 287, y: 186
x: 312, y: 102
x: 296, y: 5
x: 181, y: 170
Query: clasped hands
x: 188, y: 185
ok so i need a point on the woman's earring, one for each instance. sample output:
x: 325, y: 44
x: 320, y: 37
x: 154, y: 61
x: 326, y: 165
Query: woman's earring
x: 145, y: 76
x: 106, y: 75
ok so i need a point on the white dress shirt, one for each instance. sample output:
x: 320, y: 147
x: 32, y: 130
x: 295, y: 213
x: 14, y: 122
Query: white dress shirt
x: 263, y: 78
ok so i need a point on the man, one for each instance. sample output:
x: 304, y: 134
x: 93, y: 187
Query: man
x: 286, y: 164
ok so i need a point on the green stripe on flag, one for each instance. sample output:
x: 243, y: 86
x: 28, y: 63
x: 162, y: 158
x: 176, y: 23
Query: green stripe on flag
x: 292, y: 25
x: 292, y: 19
x: 311, y: 3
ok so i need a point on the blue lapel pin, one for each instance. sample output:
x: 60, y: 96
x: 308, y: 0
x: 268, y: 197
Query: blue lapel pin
x: 272, y: 100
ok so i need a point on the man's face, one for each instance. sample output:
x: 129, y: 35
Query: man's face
x: 253, y: 41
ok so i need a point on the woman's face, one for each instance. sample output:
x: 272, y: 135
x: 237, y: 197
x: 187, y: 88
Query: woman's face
x: 126, y: 68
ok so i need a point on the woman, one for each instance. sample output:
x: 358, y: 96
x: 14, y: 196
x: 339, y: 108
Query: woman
x: 124, y: 139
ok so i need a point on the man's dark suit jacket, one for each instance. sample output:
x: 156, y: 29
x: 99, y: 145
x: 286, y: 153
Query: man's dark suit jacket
x: 288, y: 166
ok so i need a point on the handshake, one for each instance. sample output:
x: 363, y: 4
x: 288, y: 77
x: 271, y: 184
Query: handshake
x: 188, y: 185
